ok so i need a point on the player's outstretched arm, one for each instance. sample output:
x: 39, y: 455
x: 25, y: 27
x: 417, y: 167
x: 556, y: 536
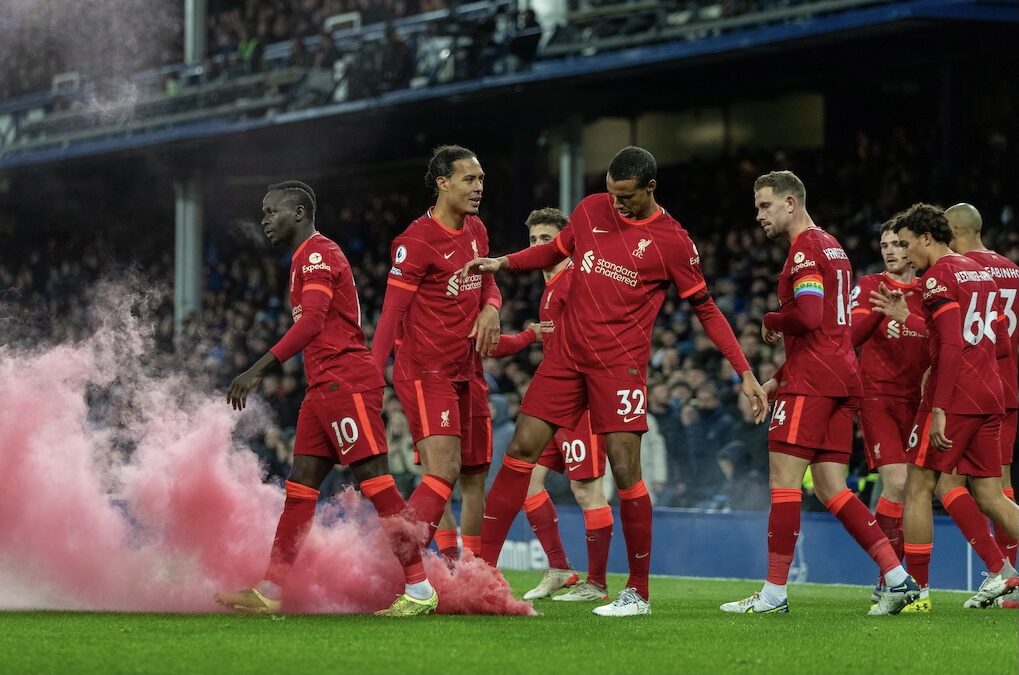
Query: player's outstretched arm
x: 484, y: 266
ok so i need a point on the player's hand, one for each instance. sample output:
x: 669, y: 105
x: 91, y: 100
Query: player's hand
x: 937, y: 433
x: 486, y: 330
x: 771, y: 337
x: 923, y: 380
x: 753, y: 390
x: 237, y: 394
x: 770, y: 387
x: 483, y: 266
x: 536, y: 329
x: 890, y: 303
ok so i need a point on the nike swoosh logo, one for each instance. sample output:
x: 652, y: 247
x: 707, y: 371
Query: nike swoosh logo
x: 642, y: 555
x: 627, y: 420
x: 345, y: 450
x: 774, y: 427
x: 1011, y: 546
x: 449, y: 255
x: 598, y: 231
x: 574, y: 467
x: 871, y: 522
x: 488, y: 517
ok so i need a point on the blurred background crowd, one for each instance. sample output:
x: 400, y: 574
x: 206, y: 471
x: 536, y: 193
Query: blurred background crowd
x: 703, y: 451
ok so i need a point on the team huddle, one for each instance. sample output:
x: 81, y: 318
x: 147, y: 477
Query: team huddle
x: 934, y: 421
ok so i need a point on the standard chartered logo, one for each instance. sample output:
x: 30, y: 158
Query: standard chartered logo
x: 623, y: 275
x: 454, y: 287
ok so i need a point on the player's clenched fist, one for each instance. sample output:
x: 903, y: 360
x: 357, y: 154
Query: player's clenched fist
x: 484, y: 266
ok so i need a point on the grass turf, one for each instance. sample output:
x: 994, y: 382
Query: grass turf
x: 827, y: 631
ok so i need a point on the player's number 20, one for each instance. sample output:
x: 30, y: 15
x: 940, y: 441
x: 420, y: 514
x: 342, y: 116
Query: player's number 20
x: 346, y: 432
x: 575, y: 451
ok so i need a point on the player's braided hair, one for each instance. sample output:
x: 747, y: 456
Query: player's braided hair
x: 441, y: 163
x: 297, y: 193
x: 783, y: 183
x: 547, y: 216
x: 921, y: 218
x: 636, y: 163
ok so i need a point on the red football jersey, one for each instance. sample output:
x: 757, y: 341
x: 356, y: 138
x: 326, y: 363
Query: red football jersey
x: 894, y: 357
x: 822, y: 362
x: 553, y: 303
x: 427, y: 259
x: 623, y: 269
x: 963, y: 281
x: 1006, y: 275
x: 337, y: 360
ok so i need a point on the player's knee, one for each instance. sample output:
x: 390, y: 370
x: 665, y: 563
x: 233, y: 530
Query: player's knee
x: 522, y: 447
x: 626, y: 474
x: 588, y: 494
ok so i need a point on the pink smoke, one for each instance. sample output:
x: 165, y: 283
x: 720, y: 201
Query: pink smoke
x: 187, y: 514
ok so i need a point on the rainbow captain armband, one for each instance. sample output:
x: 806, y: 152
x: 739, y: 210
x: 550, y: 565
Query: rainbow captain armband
x: 809, y: 285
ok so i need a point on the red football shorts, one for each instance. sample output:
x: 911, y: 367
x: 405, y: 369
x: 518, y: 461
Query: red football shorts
x: 560, y: 395
x: 815, y: 428
x: 344, y: 428
x: 476, y: 448
x: 886, y: 422
x: 578, y: 454
x: 435, y: 407
x: 976, y: 445
x: 1008, y: 432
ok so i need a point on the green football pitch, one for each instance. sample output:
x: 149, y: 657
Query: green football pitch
x: 827, y: 631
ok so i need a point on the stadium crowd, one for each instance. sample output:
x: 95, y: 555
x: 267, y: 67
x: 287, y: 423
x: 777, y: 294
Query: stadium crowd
x: 705, y: 451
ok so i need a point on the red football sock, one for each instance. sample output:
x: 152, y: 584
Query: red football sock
x: 918, y: 562
x: 598, y: 523
x: 783, y: 529
x: 445, y: 541
x: 294, y: 523
x: 429, y: 501
x: 635, y: 512
x: 856, y: 518
x: 968, y: 518
x: 889, y: 519
x: 544, y: 520
x: 503, y: 503
x: 388, y: 501
x: 1006, y: 543
x: 472, y: 543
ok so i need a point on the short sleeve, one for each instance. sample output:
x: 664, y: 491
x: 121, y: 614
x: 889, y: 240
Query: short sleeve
x: 939, y: 293
x: 410, y: 263
x: 685, y: 267
x: 564, y: 241
x: 805, y: 273
x: 860, y: 304
x: 318, y: 268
